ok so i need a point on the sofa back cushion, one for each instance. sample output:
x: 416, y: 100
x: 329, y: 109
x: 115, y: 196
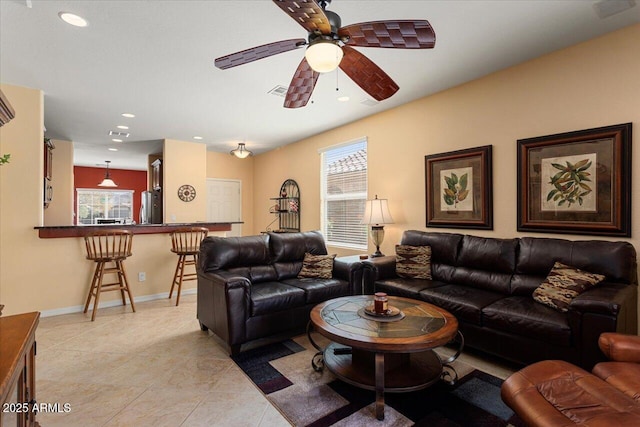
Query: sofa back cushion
x: 444, y: 250
x: 536, y: 257
x: 486, y: 263
x: 287, y: 251
x: 247, y: 256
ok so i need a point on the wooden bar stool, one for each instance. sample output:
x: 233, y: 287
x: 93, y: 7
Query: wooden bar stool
x: 186, y: 243
x: 104, y: 247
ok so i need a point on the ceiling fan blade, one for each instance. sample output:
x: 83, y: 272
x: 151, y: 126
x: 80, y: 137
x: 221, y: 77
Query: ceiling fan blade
x: 367, y: 75
x: 407, y: 34
x: 306, y: 13
x: 258, y: 52
x: 301, y: 87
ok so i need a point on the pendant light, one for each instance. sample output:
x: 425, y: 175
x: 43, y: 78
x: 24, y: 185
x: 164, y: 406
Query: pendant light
x: 107, y: 181
x: 241, y: 152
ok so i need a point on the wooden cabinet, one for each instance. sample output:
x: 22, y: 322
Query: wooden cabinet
x: 18, y: 369
x: 156, y: 175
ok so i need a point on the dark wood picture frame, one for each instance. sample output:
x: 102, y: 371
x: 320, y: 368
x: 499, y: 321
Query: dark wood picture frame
x: 576, y: 182
x: 459, y: 189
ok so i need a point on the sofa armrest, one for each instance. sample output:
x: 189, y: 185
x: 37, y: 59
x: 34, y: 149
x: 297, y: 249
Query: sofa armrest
x: 374, y: 269
x: 381, y: 268
x: 223, y: 305
x: 608, y: 307
x: 349, y: 270
x: 620, y: 347
x: 608, y: 299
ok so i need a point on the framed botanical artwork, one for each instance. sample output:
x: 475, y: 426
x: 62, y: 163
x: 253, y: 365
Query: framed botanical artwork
x: 576, y: 182
x: 458, y: 189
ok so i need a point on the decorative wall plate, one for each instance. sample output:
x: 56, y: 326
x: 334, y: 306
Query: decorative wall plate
x: 186, y: 193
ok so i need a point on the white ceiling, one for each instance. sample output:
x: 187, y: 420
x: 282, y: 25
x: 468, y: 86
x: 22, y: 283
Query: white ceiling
x: 155, y: 59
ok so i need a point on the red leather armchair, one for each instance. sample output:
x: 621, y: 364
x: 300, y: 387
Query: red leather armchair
x: 557, y: 393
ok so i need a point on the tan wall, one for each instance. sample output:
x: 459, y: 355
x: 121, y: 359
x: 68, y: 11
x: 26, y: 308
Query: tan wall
x: 53, y: 274
x: 585, y: 86
x: 20, y: 192
x: 184, y: 163
x: 588, y: 85
x: 60, y: 210
x: 224, y: 166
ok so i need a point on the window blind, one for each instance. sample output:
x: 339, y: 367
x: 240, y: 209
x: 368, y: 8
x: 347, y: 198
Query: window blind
x: 344, y: 193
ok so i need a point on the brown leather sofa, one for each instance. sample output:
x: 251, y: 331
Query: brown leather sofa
x: 248, y: 286
x: 487, y: 283
x: 556, y: 393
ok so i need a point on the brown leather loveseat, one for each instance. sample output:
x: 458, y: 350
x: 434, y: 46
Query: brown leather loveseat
x: 554, y: 393
x: 248, y: 287
x: 487, y: 283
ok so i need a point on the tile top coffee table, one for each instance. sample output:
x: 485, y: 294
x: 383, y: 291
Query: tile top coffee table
x: 384, y: 353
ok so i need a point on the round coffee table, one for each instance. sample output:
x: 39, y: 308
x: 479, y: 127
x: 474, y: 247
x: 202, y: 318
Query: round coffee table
x: 394, y: 353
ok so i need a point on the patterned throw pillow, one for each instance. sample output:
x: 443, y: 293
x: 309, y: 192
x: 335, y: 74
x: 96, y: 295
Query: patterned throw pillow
x: 316, y: 266
x: 413, y: 262
x: 563, y: 284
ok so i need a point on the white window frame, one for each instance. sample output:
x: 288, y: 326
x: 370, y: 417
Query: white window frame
x: 325, y: 198
x: 96, y: 190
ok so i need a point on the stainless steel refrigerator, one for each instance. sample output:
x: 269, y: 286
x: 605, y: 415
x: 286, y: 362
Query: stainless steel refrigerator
x: 151, y: 207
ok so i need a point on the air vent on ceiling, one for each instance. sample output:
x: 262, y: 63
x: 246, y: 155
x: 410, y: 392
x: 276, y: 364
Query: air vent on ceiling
x: 607, y: 8
x: 116, y: 133
x: 279, y: 91
x: 369, y: 102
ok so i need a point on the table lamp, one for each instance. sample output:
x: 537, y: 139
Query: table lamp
x: 376, y: 213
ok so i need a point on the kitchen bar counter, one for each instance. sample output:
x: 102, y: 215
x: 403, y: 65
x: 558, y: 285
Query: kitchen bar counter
x: 83, y: 230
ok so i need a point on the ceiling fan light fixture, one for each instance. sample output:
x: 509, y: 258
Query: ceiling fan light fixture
x: 323, y: 56
x: 107, y: 181
x: 241, y: 152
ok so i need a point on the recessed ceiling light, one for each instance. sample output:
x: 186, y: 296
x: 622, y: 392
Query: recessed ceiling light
x: 113, y: 149
x: 343, y: 98
x: 123, y: 127
x: 197, y: 137
x: 116, y: 140
x: 128, y: 115
x: 72, y: 19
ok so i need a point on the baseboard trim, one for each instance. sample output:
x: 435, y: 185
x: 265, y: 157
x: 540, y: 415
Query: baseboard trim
x: 112, y: 303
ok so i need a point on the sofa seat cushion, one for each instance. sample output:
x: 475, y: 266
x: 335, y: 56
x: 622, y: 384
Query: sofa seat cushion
x: 557, y: 393
x: 464, y: 302
x: 523, y: 316
x: 408, y: 288
x: 269, y: 297
x: 319, y: 290
x: 624, y: 376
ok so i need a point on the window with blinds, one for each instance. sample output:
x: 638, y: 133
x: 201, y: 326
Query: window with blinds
x: 104, y: 206
x: 344, y: 194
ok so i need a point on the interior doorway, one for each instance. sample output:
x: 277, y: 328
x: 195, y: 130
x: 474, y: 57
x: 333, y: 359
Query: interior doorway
x: 224, y: 203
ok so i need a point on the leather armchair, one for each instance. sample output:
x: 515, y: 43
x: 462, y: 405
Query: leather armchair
x: 557, y: 393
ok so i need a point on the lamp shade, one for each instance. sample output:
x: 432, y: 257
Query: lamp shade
x: 241, y: 152
x: 376, y: 211
x: 323, y: 56
x: 107, y: 181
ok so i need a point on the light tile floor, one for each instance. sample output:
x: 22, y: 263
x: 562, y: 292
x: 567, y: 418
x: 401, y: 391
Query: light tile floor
x: 154, y: 368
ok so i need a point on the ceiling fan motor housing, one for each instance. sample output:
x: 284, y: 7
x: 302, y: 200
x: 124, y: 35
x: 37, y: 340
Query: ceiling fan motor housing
x: 335, y: 22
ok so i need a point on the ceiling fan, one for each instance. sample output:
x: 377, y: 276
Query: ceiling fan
x: 329, y: 45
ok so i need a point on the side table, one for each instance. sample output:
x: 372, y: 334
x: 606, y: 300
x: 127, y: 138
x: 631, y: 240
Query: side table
x: 18, y: 369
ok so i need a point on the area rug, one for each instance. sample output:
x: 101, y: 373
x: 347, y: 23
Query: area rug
x: 307, y: 398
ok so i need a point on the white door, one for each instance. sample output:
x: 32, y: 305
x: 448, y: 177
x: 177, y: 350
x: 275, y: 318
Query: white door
x: 224, y: 203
